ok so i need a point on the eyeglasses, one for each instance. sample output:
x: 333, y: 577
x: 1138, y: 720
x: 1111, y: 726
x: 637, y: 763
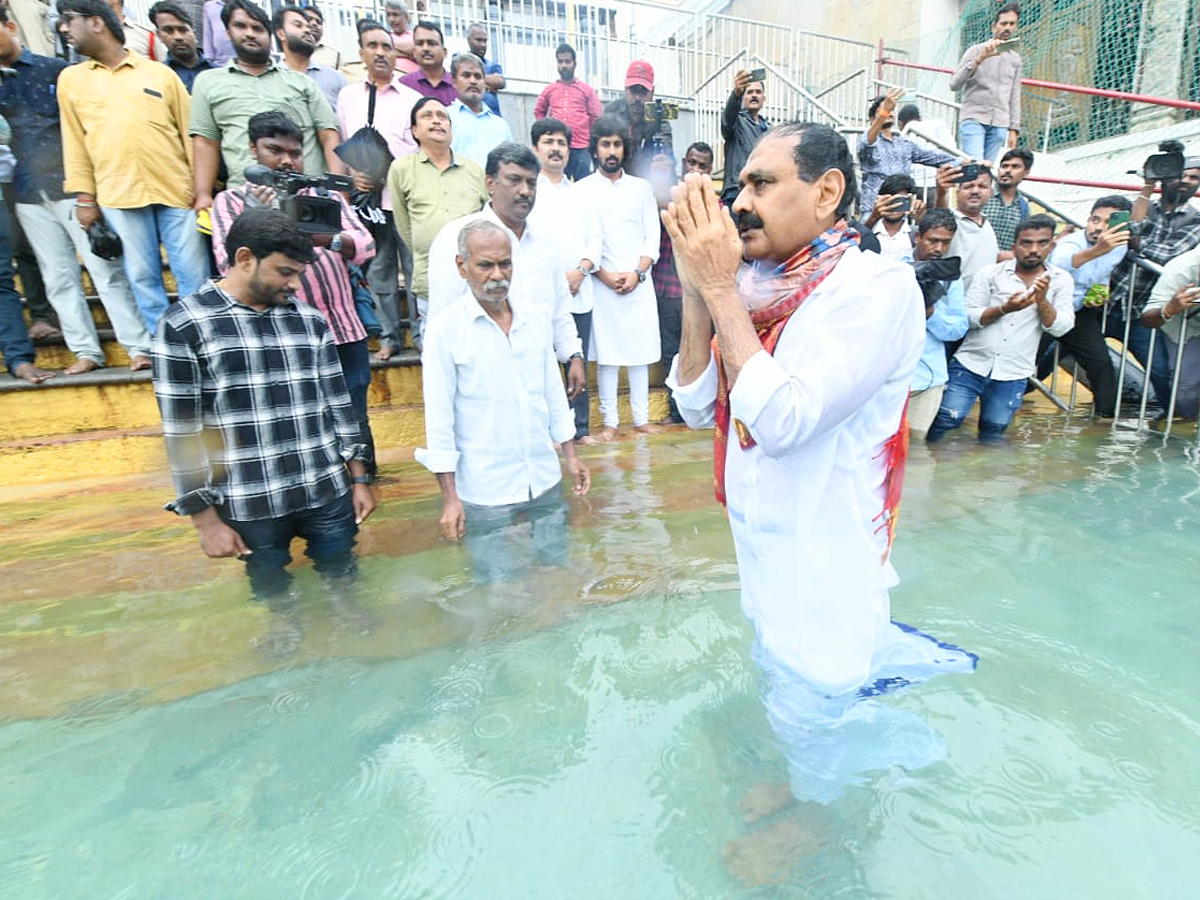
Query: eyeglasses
x: 68, y: 16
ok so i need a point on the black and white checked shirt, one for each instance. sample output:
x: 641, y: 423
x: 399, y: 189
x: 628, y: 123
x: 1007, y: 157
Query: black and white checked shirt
x: 1162, y: 237
x: 255, y: 410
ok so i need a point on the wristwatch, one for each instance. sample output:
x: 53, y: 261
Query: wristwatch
x: 360, y: 479
x: 574, y: 356
x: 641, y: 274
x: 335, y: 243
x: 583, y: 270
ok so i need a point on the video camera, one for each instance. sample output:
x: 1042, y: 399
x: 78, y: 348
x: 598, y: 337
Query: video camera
x: 935, y: 275
x: 321, y: 214
x: 1166, y: 164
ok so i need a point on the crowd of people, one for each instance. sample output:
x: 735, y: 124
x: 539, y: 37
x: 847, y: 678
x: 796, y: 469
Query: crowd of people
x: 158, y: 140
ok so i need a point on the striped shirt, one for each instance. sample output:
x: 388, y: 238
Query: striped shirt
x: 575, y: 105
x: 325, y: 283
x: 255, y: 411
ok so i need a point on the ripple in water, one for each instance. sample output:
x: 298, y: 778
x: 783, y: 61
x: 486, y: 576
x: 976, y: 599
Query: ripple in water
x: 492, y: 725
x: 454, y: 843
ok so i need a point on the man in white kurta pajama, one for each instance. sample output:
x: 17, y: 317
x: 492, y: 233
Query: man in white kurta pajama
x: 624, y: 307
x: 814, y: 454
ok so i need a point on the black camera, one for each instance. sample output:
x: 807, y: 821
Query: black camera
x: 660, y: 111
x: 321, y: 214
x: 934, y: 277
x: 1166, y: 164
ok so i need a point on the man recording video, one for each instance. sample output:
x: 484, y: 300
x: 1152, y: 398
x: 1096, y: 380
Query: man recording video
x: 1161, y: 231
x: 277, y: 143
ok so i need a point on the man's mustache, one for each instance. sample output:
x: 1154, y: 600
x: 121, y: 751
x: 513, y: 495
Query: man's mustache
x: 749, y: 220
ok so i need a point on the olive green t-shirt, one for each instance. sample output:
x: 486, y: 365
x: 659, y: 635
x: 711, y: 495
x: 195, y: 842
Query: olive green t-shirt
x: 223, y: 100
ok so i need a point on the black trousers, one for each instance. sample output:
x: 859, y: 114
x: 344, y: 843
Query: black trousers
x: 1085, y: 342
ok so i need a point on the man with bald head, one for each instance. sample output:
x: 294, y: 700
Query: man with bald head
x: 494, y: 410
x: 806, y: 382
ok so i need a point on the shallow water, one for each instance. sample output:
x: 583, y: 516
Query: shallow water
x: 590, y: 732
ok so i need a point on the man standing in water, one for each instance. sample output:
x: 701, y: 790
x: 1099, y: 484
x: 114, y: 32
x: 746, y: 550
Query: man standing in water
x: 816, y: 344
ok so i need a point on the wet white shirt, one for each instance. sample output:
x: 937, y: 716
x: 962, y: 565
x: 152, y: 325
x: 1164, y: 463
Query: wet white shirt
x: 804, y: 500
x: 563, y: 212
x: 539, y: 279
x: 494, y: 404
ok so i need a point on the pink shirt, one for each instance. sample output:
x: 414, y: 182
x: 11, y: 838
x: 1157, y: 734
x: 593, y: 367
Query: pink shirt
x: 404, y: 43
x: 393, y: 112
x: 575, y: 105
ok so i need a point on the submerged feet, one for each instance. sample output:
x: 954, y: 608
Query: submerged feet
x: 768, y: 855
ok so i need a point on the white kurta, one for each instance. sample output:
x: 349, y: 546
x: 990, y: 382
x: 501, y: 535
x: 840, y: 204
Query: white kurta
x: 624, y: 326
x: 561, y: 212
x: 538, y: 281
x: 804, y: 501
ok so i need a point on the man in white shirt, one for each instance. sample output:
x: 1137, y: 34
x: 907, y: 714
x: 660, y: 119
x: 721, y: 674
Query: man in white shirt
x: 1009, y: 305
x: 895, y: 208
x: 494, y: 409
x: 975, y: 241
x: 560, y: 212
x: 625, y: 311
x: 816, y: 347
x: 541, y: 281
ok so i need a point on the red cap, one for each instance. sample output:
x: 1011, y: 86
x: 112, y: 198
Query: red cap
x: 640, y: 73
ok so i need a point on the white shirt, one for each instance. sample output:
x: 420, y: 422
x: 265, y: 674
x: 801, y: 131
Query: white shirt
x: 898, y: 247
x: 803, y: 501
x: 562, y: 211
x: 1006, y: 350
x: 975, y: 245
x: 494, y: 404
x: 624, y: 326
x: 539, y: 280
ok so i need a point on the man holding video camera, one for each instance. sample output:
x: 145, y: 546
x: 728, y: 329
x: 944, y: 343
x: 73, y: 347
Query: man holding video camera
x: 1161, y: 230
x: 646, y: 119
x: 277, y: 144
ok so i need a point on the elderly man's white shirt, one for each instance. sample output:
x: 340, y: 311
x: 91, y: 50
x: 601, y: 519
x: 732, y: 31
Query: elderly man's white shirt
x: 539, y: 279
x: 562, y: 211
x: 804, y: 502
x: 494, y: 404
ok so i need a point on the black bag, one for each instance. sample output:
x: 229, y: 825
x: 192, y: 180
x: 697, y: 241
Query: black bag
x: 104, y: 241
x: 367, y: 151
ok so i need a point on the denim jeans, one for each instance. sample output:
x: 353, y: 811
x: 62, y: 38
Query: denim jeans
x: 356, y: 369
x: 14, y: 338
x: 998, y: 403
x: 328, y: 530
x: 141, y: 231
x: 981, y: 141
x: 579, y: 165
x: 491, y: 542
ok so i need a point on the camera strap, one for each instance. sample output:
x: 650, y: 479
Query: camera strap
x: 371, y: 90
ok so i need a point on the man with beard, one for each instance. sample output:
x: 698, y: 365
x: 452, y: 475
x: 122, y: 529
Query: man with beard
x: 494, y: 409
x: 430, y: 79
x: 806, y: 382
x: 541, y: 281
x: 576, y: 105
x: 1089, y: 257
x: 324, y: 54
x: 895, y: 210
x: 742, y: 124
x: 1007, y: 207
x: 625, y: 314
x: 975, y: 241
x: 229, y: 399
x: 223, y: 101
x: 293, y: 31
x: 945, y: 320
x: 1010, y: 306
x: 174, y: 29
x: 1166, y: 229
x: 477, y: 129
x: 649, y: 135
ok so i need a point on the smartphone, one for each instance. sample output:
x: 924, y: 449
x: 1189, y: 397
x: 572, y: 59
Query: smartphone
x: 759, y: 75
x: 901, y: 204
x: 1013, y: 43
x: 1118, y: 218
x: 970, y: 172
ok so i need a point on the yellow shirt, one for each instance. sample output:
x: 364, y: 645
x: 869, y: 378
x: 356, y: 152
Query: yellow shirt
x: 124, y: 133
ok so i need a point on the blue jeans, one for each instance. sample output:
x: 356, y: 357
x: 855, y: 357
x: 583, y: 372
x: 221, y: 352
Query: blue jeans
x: 328, y: 530
x: 579, y: 165
x: 499, y: 554
x: 141, y: 231
x: 14, y: 338
x: 981, y: 141
x: 998, y: 403
x: 356, y: 369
